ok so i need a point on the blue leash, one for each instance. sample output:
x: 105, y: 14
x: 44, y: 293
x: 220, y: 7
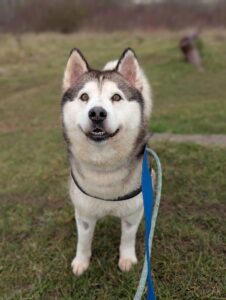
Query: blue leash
x: 148, y: 200
x: 151, y: 206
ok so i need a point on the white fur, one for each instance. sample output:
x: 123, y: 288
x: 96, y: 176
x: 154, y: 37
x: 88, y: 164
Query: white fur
x: 89, y: 210
x: 106, y: 168
x: 111, y: 65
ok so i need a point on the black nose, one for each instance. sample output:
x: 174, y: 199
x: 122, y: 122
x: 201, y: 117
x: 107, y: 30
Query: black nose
x: 97, y: 114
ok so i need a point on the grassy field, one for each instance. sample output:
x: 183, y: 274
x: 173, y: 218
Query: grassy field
x: 37, y: 225
x: 186, y: 101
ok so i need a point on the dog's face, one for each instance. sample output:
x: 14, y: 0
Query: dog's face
x: 103, y: 107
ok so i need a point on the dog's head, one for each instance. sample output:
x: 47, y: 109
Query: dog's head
x: 103, y: 107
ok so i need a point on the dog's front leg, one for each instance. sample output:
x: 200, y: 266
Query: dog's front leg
x: 85, y: 230
x: 128, y: 239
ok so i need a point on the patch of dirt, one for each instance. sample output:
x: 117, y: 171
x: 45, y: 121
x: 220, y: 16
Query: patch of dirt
x: 205, y: 140
x: 13, y: 128
x: 214, y: 209
x: 39, y: 202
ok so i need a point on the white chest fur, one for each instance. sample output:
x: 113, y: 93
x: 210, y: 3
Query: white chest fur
x: 96, y: 208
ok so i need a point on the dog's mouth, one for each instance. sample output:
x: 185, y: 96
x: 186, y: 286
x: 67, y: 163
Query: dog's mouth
x: 98, y: 134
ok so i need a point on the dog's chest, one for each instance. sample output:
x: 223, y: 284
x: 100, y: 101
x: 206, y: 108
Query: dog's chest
x: 109, y: 184
x: 89, y: 206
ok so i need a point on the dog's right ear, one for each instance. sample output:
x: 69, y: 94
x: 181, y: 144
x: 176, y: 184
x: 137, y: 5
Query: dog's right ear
x: 75, y: 68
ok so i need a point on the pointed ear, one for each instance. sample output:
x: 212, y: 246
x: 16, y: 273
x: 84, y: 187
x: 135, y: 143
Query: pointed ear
x: 129, y: 68
x: 75, y: 68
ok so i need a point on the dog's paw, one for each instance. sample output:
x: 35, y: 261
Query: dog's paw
x: 125, y: 264
x: 79, y: 266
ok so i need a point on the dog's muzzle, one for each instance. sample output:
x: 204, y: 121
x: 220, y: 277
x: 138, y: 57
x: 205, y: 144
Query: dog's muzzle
x: 97, y: 116
x: 98, y: 134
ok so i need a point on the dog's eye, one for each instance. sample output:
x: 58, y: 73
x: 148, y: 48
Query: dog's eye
x: 84, y: 97
x: 116, y: 97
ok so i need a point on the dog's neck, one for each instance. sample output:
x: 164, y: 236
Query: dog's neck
x: 107, y: 180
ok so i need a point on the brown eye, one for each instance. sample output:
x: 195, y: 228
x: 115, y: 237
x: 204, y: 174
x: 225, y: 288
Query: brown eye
x: 84, y: 97
x: 116, y: 97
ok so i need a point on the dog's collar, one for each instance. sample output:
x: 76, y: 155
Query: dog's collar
x: 121, y: 198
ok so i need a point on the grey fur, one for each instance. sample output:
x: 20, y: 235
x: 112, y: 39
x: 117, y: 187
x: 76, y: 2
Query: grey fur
x: 85, y: 225
x: 131, y: 93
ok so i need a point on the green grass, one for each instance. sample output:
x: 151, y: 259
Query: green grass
x: 38, y: 230
x: 38, y: 235
x: 185, y: 101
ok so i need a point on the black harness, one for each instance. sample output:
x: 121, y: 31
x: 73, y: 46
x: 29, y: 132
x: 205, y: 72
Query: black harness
x: 121, y: 198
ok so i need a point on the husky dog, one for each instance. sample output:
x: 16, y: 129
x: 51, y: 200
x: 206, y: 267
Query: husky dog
x: 105, y: 116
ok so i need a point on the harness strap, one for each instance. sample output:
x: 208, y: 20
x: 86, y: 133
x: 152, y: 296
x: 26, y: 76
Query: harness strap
x: 120, y: 198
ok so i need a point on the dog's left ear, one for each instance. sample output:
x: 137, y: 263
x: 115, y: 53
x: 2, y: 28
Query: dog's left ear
x: 129, y: 68
x: 75, y: 68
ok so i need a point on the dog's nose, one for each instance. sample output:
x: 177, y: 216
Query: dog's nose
x: 97, y: 114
